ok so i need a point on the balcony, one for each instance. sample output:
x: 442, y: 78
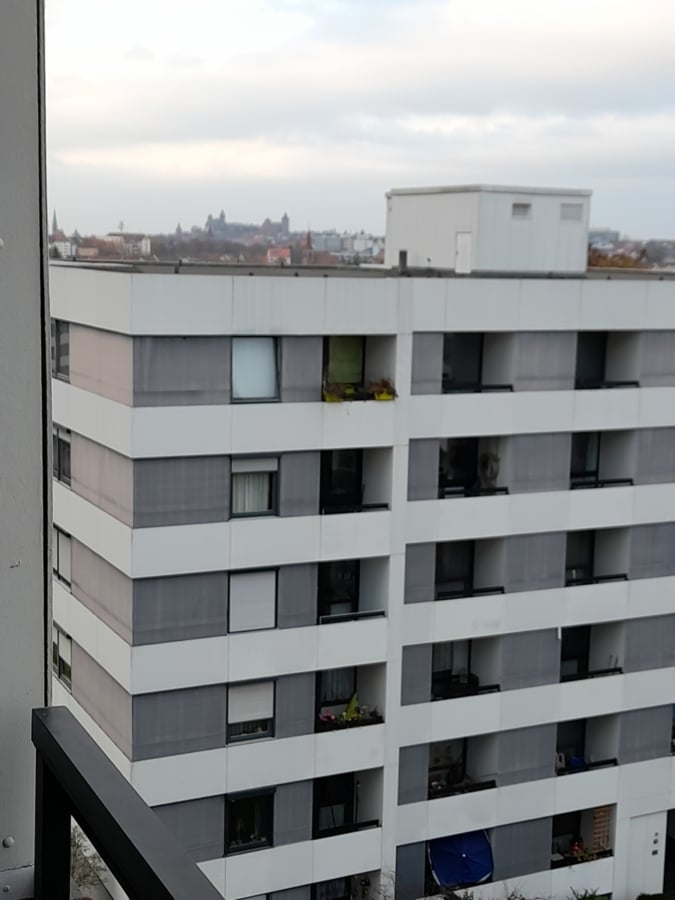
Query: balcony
x: 75, y: 778
x: 596, y: 557
x: 591, y: 651
x: 460, y: 565
x: 358, y: 368
x: 607, y: 360
x: 461, y: 766
x: 597, y: 459
x: 347, y: 803
x: 355, y: 480
x: 583, y: 745
x: 472, y: 363
x: 351, y: 589
x: 582, y: 836
x: 351, y: 697
x: 468, y: 467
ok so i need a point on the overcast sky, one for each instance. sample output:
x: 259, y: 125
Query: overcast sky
x: 160, y: 111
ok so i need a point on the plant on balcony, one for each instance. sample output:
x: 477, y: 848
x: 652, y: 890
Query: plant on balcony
x: 353, y: 715
x: 334, y: 392
x: 382, y: 389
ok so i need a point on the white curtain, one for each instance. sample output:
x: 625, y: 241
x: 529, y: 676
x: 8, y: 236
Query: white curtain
x: 254, y: 368
x: 253, y: 600
x: 250, y: 492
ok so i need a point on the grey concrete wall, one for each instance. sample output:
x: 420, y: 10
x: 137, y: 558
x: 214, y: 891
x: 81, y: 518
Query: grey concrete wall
x: 24, y: 451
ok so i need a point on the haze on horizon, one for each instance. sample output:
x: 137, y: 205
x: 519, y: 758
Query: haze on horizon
x: 317, y: 107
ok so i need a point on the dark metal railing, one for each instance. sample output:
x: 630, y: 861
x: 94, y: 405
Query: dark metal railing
x: 580, y: 480
x: 592, y: 673
x: 345, y: 829
x: 465, y: 787
x: 595, y: 579
x: 465, y: 490
x: 75, y: 778
x: 587, y: 384
x: 468, y: 590
x: 473, y: 387
x: 351, y: 616
x: 584, y: 766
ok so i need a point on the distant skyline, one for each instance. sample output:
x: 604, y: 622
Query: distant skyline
x: 318, y: 107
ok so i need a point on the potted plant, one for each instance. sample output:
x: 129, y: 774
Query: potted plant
x: 333, y: 392
x: 382, y: 389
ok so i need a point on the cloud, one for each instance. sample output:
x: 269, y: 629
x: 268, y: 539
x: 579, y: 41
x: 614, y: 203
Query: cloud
x: 378, y: 90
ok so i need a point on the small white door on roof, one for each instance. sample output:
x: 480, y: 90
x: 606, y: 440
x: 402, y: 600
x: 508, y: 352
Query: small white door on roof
x: 463, y: 240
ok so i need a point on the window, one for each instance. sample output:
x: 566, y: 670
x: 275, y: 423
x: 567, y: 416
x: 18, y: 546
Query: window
x: 450, y: 664
x: 62, y: 650
x: 254, y: 486
x: 334, y: 804
x: 571, y: 212
x: 447, y: 766
x: 253, y: 600
x: 458, y: 466
x: 579, y: 557
x: 341, y: 481
x: 462, y: 361
x: 454, y: 569
x: 345, y: 356
x: 249, y: 822
x: 254, y: 368
x: 250, y: 710
x: 338, y: 587
x: 575, y: 647
x: 585, y: 458
x: 521, y: 210
x: 61, y: 552
x: 60, y: 349
x: 61, y: 454
x: 336, y: 688
x: 566, y: 832
x: 336, y: 889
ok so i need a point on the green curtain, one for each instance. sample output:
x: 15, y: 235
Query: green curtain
x: 345, y: 360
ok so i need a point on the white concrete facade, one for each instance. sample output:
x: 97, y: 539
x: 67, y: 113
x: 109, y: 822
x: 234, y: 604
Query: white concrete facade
x: 139, y: 305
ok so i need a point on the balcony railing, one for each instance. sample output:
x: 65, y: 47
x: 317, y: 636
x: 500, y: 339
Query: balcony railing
x: 339, y: 723
x: 562, y: 860
x: 466, y: 786
x: 588, y: 384
x: 345, y: 829
x: 467, y: 589
x: 579, y: 764
x: 351, y: 616
x: 576, y: 580
x: 581, y: 480
x: 469, y: 490
x: 592, y: 673
x: 472, y: 387
x: 74, y: 778
x: 447, y: 686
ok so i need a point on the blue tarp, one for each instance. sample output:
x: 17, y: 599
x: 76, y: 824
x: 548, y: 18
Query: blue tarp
x: 462, y: 859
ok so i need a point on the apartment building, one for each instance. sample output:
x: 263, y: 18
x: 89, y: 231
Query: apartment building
x: 379, y: 647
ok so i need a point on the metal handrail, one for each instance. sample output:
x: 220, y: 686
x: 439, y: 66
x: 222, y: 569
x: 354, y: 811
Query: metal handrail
x: 469, y: 591
x: 592, y: 673
x: 351, y: 616
x: 597, y: 482
x: 461, y: 490
x: 584, y: 384
x: 75, y: 778
x: 473, y: 387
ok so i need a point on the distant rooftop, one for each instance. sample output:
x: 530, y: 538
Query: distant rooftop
x: 490, y: 188
x: 349, y: 271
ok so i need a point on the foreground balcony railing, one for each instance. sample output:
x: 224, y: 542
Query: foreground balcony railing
x: 76, y: 779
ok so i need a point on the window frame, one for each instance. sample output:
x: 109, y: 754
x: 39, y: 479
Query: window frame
x: 267, y: 796
x: 234, y: 574
x: 524, y: 211
x: 327, y: 363
x: 277, y: 368
x: 344, y: 789
x: 56, y: 555
x: 244, y: 737
x: 326, y: 589
x: 328, y: 704
x: 440, y: 770
x: 273, y: 486
x: 58, y: 328
x: 58, y: 662
x: 60, y: 437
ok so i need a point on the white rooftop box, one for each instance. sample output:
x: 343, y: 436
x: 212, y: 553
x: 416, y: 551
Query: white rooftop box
x: 487, y: 228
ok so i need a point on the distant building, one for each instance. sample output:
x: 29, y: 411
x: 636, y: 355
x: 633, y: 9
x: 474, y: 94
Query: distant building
x: 603, y: 236
x: 130, y: 245
x: 279, y: 256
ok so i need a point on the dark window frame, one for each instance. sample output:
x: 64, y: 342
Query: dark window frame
x: 62, y: 669
x: 332, y: 500
x: 267, y: 798
x: 59, y: 331
x: 61, y: 438
x: 337, y: 790
x: 56, y: 556
x: 327, y: 590
x: 326, y: 360
x: 328, y: 703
